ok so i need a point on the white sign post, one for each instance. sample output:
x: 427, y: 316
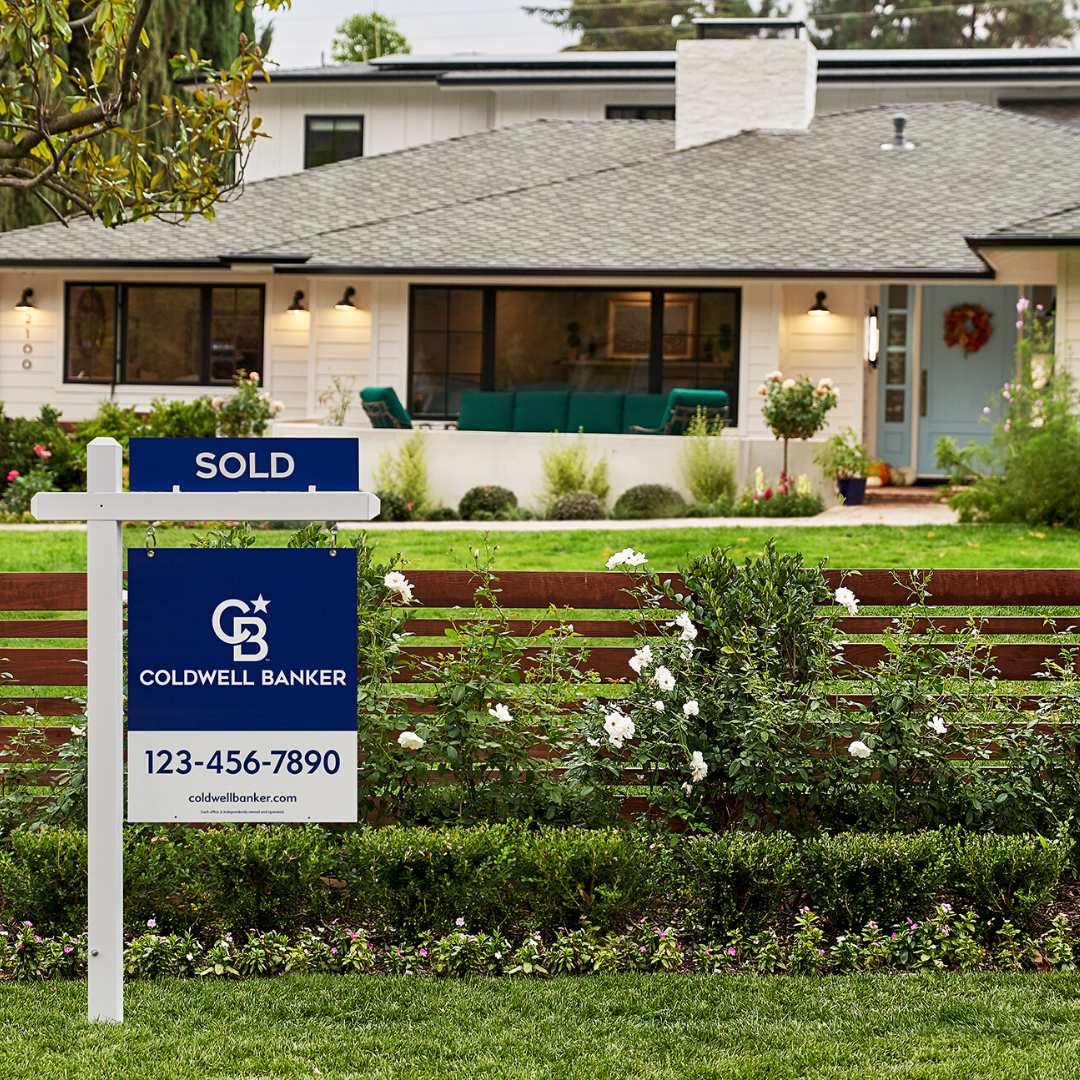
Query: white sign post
x: 105, y: 506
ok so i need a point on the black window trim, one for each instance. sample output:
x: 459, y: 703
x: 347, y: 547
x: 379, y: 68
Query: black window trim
x: 656, y: 334
x: 308, y: 117
x: 120, y: 359
x: 638, y: 108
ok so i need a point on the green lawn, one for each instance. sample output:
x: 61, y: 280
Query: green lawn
x: 604, y: 1028
x: 856, y: 546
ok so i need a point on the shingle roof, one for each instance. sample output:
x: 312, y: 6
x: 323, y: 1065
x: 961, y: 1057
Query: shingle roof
x: 552, y: 196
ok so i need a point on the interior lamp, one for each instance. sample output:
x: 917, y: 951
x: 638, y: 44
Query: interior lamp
x: 345, y: 303
x: 297, y: 305
x: 873, y: 337
x: 819, y: 307
x: 25, y: 303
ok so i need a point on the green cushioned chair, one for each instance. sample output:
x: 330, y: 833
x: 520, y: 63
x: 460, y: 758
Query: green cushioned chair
x: 643, y: 411
x: 682, y: 407
x: 600, y: 414
x: 383, y: 408
x: 486, y: 411
x: 541, y: 410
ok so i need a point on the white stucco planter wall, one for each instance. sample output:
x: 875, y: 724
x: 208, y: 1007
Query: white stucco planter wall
x: 459, y: 460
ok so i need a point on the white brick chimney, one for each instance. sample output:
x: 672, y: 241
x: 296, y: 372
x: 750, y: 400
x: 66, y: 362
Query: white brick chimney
x: 724, y: 86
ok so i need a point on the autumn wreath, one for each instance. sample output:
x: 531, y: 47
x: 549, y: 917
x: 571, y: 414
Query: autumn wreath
x: 967, y: 325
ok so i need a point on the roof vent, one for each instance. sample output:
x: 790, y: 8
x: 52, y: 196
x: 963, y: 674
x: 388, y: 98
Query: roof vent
x: 899, y: 140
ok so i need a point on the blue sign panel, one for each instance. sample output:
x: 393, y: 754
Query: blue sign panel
x: 245, y: 464
x: 242, y: 640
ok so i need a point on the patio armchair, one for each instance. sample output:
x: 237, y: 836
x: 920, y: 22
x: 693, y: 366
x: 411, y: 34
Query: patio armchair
x: 383, y: 408
x: 682, y: 407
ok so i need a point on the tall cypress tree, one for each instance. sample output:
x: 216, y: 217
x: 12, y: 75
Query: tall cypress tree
x: 211, y: 27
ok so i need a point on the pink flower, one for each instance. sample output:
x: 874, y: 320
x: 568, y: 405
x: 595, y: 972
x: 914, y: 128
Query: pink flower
x: 423, y: 952
x: 42, y: 452
x: 1038, y: 403
x: 459, y: 921
x: 731, y: 950
x: 1019, y: 324
x: 641, y: 948
x: 13, y: 475
x: 1022, y: 305
x: 1008, y: 424
x: 986, y: 410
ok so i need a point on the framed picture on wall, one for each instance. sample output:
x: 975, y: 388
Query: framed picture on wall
x: 628, y: 329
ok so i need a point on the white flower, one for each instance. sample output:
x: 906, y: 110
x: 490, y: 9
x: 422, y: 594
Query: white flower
x: 642, y: 658
x: 78, y: 731
x: 774, y: 376
x: 688, y: 788
x: 277, y: 406
x: 664, y: 679
x: 255, y: 377
x: 502, y: 714
x: 698, y: 768
x: 395, y: 581
x: 937, y: 725
x: 216, y: 403
x: 658, y: 706
x: 846, y: 598
x: 762, y: 390
x: 789, y: 384
x: 152, y: 923
x: 686, y: 624
x: 619, y: 728
x: 592, y: 742
x: 190, y: 957
x: 627, y: 557
x: 859, y: 749
x: 825, y: 383
x: 690, y: 708
x: 409, y: 740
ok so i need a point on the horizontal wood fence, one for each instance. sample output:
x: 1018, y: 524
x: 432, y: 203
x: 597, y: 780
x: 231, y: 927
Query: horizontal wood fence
x: 601, y: 598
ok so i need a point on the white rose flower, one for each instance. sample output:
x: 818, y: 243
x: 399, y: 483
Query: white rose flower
x: 637, y: 558
x: 859, y: 749
x: 277, y: 406
x: 937, y: 725
x: 688, y: 788
x: 826, y: 383
x: 619, y: 558
x: 619, y: 728
x: 686, y: 625
x: 642, y: 658
x: 664, y: 679
x: 502, y: 714
x: 698, y: 768
x: 789, y: 384
x: 658, y: 706
x: 396, y: 582
x: 690, y: 708
x: 216, y: 403
x: 409, y: 740
x: 846, y: 598
x: 774, y: 376
x: 592, y: 742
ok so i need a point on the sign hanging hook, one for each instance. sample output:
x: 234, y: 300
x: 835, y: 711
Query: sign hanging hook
x: 333, y: 539
x: 151, y: 540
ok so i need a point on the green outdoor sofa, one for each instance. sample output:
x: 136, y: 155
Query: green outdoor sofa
x: 596, y: 413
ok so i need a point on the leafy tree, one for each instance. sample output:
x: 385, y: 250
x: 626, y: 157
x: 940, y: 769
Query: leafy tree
x: 89, y: 120
x: 364, y: 36
x: 929, y: 24
x: 643, y: 24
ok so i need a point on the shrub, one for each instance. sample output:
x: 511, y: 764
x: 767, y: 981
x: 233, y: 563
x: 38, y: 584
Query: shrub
x: 855, y: 877
x: 392, y: 507
x: 736, y: 880
x: 18, y: 437
x: 790, y: 497
x: 43, y: 877
x: 248, y: 411
x: 20, y: 492
x: 444, y: 513
x: 578, y: 506
x: 405, y: 474
x: 1008, y: 877
x: 490, y: 499
x: 650, y: 501
x: 181, y: 419
x: 707, y: 462
x: 567, y: 469
x: 795, y: 408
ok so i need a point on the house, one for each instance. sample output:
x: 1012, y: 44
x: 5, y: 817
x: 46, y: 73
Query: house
x: 602, y: 255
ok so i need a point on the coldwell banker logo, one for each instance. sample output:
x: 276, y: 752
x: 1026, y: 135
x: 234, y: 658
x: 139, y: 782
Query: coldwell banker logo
x: 247, y: 630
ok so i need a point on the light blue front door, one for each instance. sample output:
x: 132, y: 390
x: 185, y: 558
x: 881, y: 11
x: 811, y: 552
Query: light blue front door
x: 895, y: 378
x: 954, y: 388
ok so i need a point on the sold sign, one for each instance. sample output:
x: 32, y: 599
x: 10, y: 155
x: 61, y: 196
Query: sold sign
x: 314, y: 464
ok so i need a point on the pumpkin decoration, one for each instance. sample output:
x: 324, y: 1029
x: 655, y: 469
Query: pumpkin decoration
x: 967, y: 325
x: 879, y: 471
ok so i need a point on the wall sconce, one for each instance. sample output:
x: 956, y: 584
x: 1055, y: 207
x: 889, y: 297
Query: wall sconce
x: 873, y: 337
x: 819, y: 307
x: 25, y: 303
x: 297, y: 306
x: 345, y: 303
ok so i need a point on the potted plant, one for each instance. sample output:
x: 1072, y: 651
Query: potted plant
x: 844, y: 459
x: 795, y: 408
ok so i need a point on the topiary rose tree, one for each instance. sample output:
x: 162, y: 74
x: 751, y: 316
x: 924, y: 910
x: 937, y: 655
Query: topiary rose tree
x: 795, y: 408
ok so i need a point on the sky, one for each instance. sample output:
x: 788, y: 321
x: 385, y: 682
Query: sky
x: 305, y: 33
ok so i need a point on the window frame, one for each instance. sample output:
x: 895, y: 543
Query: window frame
x: 308, y: 118
x: 656, y: 336
x: 608, y: 109
x: 206, y: 292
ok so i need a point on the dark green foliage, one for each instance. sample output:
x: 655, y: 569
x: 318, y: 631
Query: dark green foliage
x: 649, y: 501
x: 490, y: 499
x: 736, y: 879
x: 181, y: 419
x: 855, y: 877
x: 1008, y: 877
x: 393, y: 507
x: 43, y: 878
x: 444, y: 513
x: 789, y: 505
x: 578, y: 506
x: 18, y: 437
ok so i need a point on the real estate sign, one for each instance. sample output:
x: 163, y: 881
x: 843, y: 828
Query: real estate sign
x: 242, y: 685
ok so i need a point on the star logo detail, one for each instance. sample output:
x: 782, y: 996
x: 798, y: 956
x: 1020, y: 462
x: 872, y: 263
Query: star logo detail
x: 260, y: 604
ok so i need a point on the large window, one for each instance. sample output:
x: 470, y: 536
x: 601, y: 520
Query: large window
x: 615, y: 340
x: 332, y: 138
x: 199, y: 334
